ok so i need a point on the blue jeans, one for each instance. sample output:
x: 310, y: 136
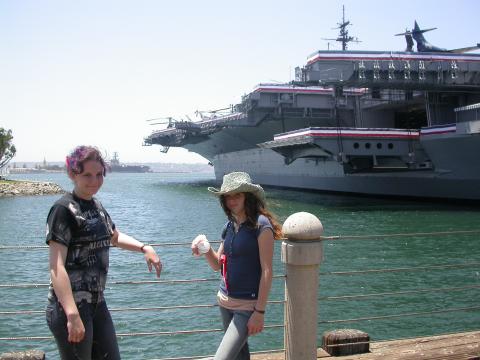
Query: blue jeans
x: 234, y: 345
x: 100, y: 340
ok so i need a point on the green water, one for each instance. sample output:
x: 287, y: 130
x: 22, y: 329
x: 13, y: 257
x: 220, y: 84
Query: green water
x: 166, y: 208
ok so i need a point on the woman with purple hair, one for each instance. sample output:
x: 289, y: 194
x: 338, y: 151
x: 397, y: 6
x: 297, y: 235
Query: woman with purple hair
x: 79, y: 234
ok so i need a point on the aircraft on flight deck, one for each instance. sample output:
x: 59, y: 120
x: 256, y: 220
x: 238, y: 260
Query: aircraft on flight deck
x: 424, y: 46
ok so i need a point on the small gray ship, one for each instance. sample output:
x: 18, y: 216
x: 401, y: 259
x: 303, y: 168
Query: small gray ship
x: 403, y: 123
x: 114, y: 165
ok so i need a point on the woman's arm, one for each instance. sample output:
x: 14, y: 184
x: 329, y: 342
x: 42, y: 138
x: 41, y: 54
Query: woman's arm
x: 63, y: 291
x: 213, y: 257
x: 127, y: 242
x: 265, y: 246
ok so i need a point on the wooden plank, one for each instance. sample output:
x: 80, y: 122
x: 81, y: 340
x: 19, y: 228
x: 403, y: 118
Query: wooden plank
x: 454, y: 346
x: 461, y: 346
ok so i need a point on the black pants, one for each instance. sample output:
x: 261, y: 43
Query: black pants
x: 100, y: 340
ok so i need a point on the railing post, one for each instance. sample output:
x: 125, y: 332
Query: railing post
x: 302, y: 254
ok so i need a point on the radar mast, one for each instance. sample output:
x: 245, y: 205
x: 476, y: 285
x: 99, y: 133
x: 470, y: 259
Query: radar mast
x: 343, y: 36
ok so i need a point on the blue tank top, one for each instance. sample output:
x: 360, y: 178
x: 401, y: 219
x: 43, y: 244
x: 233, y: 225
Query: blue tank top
x: 243, y: 269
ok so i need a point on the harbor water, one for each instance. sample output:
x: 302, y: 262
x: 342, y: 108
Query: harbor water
x: 175, y: 207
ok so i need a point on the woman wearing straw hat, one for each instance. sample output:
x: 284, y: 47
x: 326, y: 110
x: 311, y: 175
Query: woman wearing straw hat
x: 245, y: 260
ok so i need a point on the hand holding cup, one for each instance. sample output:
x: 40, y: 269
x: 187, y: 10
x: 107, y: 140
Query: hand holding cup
x: 200, y: 245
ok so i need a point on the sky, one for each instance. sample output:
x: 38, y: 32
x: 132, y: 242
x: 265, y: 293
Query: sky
x: 92, y: 72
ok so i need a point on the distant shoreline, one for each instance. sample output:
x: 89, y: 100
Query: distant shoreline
x: 35, y: 168
x: 33, y: 171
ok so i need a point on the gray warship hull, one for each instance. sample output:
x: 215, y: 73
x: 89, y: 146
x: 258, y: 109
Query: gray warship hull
x: 457, y: 175
x: 389, y: 124
x: 267, y: 168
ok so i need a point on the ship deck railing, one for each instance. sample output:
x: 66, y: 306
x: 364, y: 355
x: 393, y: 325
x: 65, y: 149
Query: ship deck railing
x: 457, y: 281
x: 203, y: 126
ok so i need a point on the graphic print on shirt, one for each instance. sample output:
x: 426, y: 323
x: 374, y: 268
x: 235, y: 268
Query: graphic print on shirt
x: 86, y: 229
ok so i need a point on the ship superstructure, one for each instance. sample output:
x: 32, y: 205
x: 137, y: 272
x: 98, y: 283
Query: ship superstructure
x: 385, y: 123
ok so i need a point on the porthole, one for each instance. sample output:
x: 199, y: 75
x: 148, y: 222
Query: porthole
x: 379, y: 145
x: 367, y: 146
x: 356, y: 145
x: 390, y: 146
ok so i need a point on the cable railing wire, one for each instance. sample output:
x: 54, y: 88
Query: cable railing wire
x: 321, y: 298
x: 392, y: 316
x: 181, y: 281
x: 154, y: 308
x: 327, y: 238
x: 396, y: 293
x: 396, y: 235
x: 404, y: 269
x: 138, y: 334
x: 195, y: 331
x: 34, y: 247
x: 127, y: 282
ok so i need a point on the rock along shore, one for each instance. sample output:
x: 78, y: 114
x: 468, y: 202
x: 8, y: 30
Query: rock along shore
x: 19, y: 188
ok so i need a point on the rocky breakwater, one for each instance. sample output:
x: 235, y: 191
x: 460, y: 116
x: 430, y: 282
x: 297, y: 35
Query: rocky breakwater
x: 19, y: 188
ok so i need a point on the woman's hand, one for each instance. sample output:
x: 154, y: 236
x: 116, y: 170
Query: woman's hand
x: 76, y: 330
x: 152, y: 259
x: 255, y: 323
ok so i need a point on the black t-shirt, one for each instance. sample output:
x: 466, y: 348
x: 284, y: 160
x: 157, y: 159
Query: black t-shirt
x: 85, y: 228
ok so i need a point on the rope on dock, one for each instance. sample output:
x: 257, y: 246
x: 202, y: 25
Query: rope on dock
x: 326, y: 238
x: 400, y: 315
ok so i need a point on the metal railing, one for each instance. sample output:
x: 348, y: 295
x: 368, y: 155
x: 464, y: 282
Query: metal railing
x: 323, y: 300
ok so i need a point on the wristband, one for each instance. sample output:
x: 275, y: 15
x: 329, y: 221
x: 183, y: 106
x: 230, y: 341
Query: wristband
x: 141, y: 248
x: 259, y: 311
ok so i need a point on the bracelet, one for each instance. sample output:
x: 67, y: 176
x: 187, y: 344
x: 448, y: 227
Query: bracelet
x: 259, y: 311
x: 141, y: 248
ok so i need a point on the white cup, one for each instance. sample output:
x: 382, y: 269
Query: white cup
x: 202, y: 244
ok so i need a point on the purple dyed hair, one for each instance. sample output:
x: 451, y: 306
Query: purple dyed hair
x: 80, y: 155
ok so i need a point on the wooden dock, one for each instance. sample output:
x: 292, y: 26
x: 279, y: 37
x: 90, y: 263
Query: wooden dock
x: 461, y: 346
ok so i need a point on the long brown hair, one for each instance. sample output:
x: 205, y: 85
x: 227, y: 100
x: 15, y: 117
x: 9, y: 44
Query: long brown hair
x: 254, y: 207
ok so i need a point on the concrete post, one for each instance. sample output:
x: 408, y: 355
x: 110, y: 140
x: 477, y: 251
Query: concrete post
x: 302, y: 254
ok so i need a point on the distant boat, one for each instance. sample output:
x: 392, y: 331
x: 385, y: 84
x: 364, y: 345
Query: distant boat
x: 116, y: 166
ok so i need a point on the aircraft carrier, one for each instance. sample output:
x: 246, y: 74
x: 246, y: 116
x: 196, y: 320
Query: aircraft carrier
x: 403, y: 123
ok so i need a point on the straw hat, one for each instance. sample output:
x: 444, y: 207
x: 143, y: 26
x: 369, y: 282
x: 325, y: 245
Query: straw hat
x: 238, y: 182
